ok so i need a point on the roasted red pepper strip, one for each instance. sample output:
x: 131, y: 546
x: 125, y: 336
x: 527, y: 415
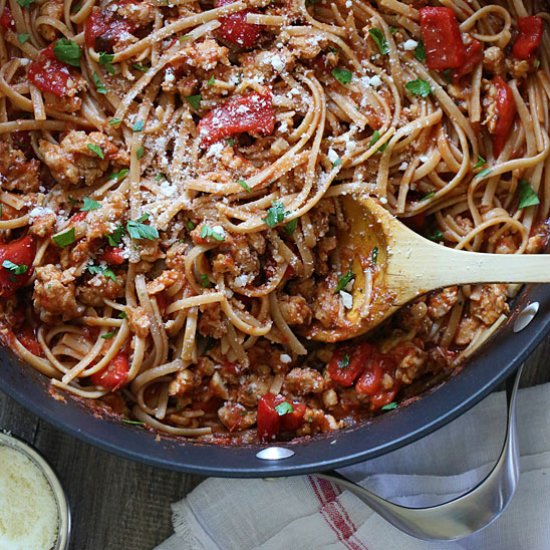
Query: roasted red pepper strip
x: 291, y: 421
x: 234, y: 29
x: 442, y: 38
x: 27, y: 337
x: 19, y: 252
x: 48, y: 74
x: 6, y: 20
x: 371, y: 382
x: 473, y: 57
x: 104, y: 29
x: 268, y: 421
x: 347, y: 364
x: 114, y: 375
x: 247, y: 113
x: 113, y: 255
x: 505, y: 110
x: 531, y: 30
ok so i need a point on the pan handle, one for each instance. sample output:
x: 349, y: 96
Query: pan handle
x: 465, y: 514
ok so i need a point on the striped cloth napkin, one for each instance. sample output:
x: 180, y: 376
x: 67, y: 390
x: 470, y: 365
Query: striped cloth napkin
x: 306, y: 512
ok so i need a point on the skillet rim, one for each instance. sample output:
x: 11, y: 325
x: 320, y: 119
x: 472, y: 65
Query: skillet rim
x: 497, y: 360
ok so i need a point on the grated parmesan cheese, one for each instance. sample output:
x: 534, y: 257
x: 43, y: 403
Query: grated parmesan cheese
x: 347, y: 299
x: 332, y: 155
x: 28, y: 517
x: 409, y: 45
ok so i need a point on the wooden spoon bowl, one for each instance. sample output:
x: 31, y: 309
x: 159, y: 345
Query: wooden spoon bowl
x: 392, y: 265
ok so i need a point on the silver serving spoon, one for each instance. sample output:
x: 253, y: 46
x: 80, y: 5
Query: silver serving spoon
x: 466, y: 514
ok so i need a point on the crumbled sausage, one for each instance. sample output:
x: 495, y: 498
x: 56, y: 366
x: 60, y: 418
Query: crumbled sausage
x: 73, y: 161
x: 16, y: 172
x: 493, y: 60
x: 489, y: 303
x: 303, y: 381
x: 54, y: 294
x: 294, y: 310
x: 467, y: 329
x: 165, y: 280
x: 441, y: 302
x: 236, y: 417
x: 138, y: 321
x: 100, y: 287
x: 211, y: 321
x: 53, y: 9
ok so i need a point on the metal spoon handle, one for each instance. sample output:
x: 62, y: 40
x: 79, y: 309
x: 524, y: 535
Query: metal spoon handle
x: 465, y: 514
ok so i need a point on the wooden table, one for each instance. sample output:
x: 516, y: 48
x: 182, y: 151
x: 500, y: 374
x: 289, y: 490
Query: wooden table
x: 118, y: 504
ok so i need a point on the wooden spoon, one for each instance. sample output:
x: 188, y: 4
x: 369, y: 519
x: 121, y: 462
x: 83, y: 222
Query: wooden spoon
x: 391, y: 265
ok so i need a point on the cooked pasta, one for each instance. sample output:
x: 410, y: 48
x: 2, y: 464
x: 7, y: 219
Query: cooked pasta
x: 172, y: 175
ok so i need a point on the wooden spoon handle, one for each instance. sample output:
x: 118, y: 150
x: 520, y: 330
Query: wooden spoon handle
x: 445, y: 267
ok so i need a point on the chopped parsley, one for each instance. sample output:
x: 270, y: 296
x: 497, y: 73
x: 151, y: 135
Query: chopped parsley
x: 133, y: 422
x: 139, y: 67
x: 419, y: 87
x: 448, y: 75
x: 96, y: 149
x: 106, y: 59
x: 527, y: 195
x: 160, y: 176
x: 284, y: 408
x: 484, y: 173
x: 337, y: 163
x: 194, y: 101
x: 122, y: 315
x: 212, y: 232
x: 138, y: 230
x: 67, y: 51
x: 276, y: 214
x: 115, y: 238
x: 428, y: 196
x: 291, y: 226
x: 90, y: 204
x: 138, y: 126
x: 114, y: 122
x: 210, y: 81
x: 119, y: 175
x: 480, y: 162
x: 108, y: 335
x: 25, y: 3
x: 374, y: 255
x: 380, y: 40
x: 389, y: 406
x: 244, y: 185
x: 342, y: 75
x: 420, y: 52
x: 190, y: 225
x: 64, y: 239
x: 99, y: 86
x: 436, y: 236
x: 22, y: 38
x: 343, y: 363
x: 344, y: 280
x: 205, y: 280
x: 16, y: 269
x: 140, y: 152
x: 374, y: 138
x: 102, y: 270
